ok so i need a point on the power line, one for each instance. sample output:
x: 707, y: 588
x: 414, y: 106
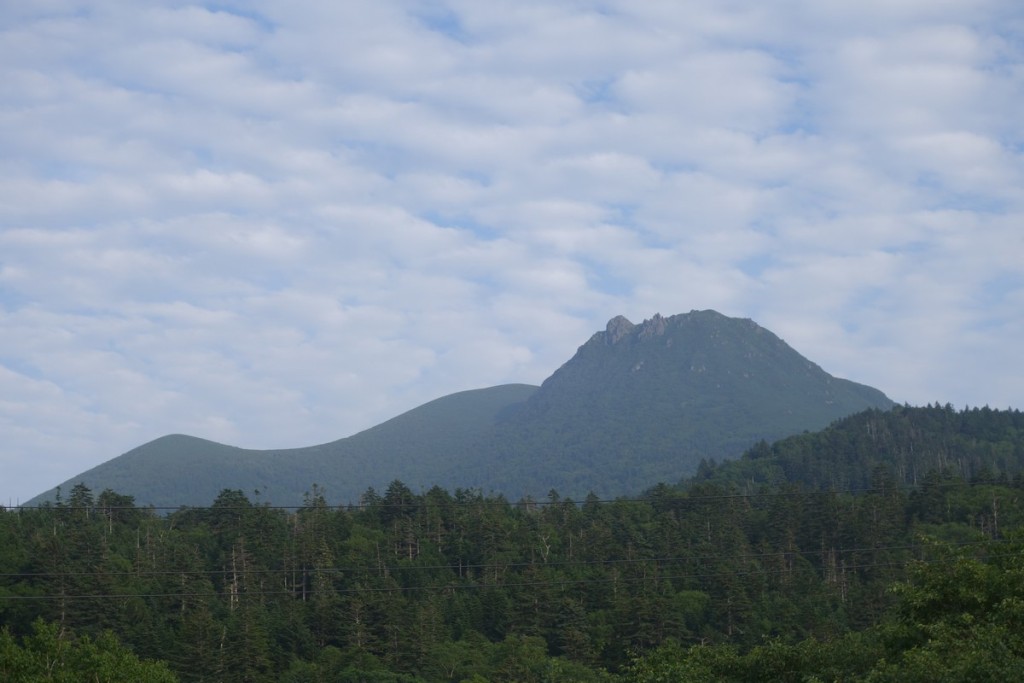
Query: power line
x: 306, y: 569
x: 312, y: 592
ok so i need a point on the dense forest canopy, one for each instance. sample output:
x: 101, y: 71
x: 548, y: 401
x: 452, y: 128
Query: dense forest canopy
x: 884, y: 570
x: 906, y: 444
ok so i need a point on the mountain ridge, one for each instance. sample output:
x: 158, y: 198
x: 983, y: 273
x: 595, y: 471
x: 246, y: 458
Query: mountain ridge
x: 637, y: 404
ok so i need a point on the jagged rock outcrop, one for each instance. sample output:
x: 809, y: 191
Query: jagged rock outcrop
x: 617, y: 329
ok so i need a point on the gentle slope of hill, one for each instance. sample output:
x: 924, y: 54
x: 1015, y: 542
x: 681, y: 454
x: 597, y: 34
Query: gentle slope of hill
x: 636, y: 405
x: 183, y: 470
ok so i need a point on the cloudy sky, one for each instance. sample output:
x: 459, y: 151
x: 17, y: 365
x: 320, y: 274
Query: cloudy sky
x: 275, y: 223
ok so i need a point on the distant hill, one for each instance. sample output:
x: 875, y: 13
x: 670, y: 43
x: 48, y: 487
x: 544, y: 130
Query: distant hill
x: 636, y: 405
x: 905, y: 446
x: 183, y: 470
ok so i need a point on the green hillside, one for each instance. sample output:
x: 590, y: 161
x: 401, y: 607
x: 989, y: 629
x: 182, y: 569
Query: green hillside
x: 902, y: 446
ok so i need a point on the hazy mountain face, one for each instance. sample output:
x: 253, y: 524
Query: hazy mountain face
x: 642, y: 404
x: 637, y: 405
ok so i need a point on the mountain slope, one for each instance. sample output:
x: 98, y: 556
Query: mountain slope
x: 183, y: 470
x: 639, y: 404
x: 636, y: 405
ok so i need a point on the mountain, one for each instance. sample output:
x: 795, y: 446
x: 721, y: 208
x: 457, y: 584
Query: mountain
x: 635, y: 406
x: 641, y: 404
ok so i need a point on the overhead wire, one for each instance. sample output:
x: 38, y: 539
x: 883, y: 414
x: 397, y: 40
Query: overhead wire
x: 676, y: 498
x: 310, y: 593
x: 305, y: 568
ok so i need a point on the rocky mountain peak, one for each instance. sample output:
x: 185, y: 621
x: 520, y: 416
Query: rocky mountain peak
x: 654, y: 327
x: 617, y: 328
x: 620, y: 327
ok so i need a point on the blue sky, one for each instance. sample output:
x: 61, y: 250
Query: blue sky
x: 275, y: 224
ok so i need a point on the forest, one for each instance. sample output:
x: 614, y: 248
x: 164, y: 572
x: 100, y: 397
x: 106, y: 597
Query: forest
x: 900, y: 560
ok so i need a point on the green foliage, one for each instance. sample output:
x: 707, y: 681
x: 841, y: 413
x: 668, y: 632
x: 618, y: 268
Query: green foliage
x: 909, y: 446
x: 959, y: 618
x: 50, y: 654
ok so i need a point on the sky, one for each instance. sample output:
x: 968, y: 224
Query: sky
x: 275, y: 224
